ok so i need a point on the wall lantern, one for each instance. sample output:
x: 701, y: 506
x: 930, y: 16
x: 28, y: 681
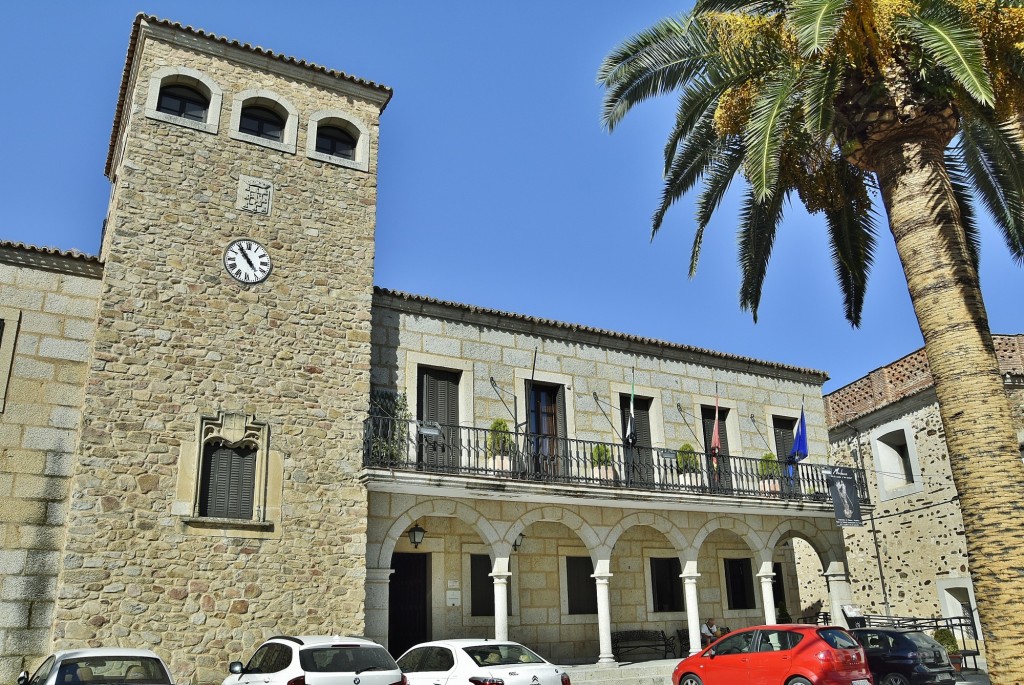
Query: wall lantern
x: 416, y: 534
x: 518, y: 543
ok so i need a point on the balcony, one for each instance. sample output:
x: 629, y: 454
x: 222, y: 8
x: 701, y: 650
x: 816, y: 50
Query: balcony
x: 414, y: 446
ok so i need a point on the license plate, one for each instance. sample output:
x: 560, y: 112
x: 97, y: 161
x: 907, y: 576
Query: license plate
x: 860, y: 681
x: 945, y: 677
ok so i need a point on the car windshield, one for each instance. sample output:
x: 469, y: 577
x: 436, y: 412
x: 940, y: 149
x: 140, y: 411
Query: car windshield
x: 838, y: 638
x: 346, y: 659
x: 112, y: 669
x: 922, y: 641
x: 501, y: 655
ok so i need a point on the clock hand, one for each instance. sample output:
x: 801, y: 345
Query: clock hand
x: 247, y: 259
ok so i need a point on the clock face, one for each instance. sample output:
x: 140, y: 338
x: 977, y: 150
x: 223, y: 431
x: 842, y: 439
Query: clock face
x: 247, y: 261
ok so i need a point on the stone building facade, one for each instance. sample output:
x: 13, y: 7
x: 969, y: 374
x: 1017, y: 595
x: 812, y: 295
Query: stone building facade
x: 218, y: 430
x: 910, y: 559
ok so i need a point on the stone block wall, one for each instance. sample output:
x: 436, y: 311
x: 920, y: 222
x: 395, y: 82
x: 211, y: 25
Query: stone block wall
x: 48, y: 308
x: 410, y: 331
x: 180, y: 341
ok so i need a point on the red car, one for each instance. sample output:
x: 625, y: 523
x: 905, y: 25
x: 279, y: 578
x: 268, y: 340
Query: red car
x: 792, y: 654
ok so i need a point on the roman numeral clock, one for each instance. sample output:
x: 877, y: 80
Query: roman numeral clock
x: 247, y: 261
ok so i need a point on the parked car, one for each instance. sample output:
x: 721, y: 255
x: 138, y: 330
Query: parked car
x: 480, y: 662
x: 796, y: 654
x: 904, y: 657
x: 99, y: 666
x: 317, y: 660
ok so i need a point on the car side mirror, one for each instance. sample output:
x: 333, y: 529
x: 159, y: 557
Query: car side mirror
x: 23, y: 678
x: 235, y: 667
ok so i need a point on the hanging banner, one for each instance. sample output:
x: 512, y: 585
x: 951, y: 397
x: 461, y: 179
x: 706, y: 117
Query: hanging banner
x: 843, y: 488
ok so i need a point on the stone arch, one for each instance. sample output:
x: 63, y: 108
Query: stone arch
x: 553, y: 514
x: 347, y: 122
x: 811, y: 534
x: 737, y: 526
x: 262, y: 97
x: 658, y: 522
x: 441, y: 508
x: 193, y: 78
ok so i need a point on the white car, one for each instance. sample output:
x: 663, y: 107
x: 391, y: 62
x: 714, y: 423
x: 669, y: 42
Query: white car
x: 99, y: 666
x: 317, y: 660
x: 480, y: 662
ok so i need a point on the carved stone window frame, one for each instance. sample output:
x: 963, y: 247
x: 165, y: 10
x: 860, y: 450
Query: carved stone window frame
x: 11, y: 321
x: 235, y: 429
x: 195, y: 79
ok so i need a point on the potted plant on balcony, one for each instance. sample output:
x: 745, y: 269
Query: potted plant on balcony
x: 500, y: 446
x: 389, y: 429
x: 769, y: 470
x: 945, y: 637
x: 688, y: 465
x: 601, y: 460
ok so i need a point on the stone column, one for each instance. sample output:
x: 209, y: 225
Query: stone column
x: 838, y: 591
x: 375, y: 610
x: 690, y: 576
x: 767, y: 593
x: 604, y: 614
x: 501, y: 604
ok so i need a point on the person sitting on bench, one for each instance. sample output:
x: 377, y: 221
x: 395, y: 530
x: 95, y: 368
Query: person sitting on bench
x: 709, y: 632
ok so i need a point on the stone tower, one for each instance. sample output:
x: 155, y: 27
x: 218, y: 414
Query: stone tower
x: 215, y: 499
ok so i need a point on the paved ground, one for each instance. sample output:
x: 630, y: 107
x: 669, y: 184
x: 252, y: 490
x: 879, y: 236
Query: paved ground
x: 973, y: 677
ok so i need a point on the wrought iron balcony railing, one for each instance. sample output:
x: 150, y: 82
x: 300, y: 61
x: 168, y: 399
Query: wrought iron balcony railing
x: 435, y: 448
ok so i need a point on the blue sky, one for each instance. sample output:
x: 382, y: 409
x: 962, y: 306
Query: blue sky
x: 497, y: 185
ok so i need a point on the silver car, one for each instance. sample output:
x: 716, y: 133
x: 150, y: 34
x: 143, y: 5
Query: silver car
x: 99, y: 666
x: 482, y: 662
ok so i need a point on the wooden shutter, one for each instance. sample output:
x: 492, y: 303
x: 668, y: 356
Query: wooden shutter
x: 642, y: 470
x: 783, y: 428
x: 439, y: 403
x: 580, y: 587
x: 721, y: 478
x: 227, y: 482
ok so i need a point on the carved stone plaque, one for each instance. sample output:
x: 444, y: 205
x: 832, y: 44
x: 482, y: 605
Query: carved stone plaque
x: 255, y: 195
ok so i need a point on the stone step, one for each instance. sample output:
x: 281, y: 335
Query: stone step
x: 657, y: 672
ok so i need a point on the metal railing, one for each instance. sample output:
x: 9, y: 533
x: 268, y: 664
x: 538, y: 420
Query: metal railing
x: 962, y: 627
x: 435, y: 448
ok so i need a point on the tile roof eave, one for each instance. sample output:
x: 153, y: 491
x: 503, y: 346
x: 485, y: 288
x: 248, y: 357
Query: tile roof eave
x: 735, y: 362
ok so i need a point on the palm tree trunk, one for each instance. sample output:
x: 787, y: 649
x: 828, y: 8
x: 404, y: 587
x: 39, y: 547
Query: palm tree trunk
x: 983, y: 450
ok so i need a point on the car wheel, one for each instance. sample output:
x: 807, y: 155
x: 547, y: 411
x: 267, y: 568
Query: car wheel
x: 799, y: 681
x: 690, y: 679
x: 894, y: 679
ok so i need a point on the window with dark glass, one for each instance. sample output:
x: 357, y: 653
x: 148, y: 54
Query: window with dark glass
x: 481, y: 587
x: 182, y: 101
x: 581, y: 588
x: 227, y: 481
x: 666, y: 585
x: 262, y: 123
x: 778, y: 585
x: 546, y: 424
x: 331, y: 140
x: 739, y: 584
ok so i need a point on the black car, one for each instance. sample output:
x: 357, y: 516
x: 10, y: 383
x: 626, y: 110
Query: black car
x: 904, y: 657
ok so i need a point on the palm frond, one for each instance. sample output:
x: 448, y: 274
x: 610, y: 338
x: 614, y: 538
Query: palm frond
x: 993, y: 155
x: 718, y: 177
x: 759, y: 220
x: 955, y: 45
x: 959, y: 180
x: 695, y: 103
x: 697, y: 153
x: 763, y: 134
x: 654, y: 62
x: 821, y: 86
x: 746, y: 6
x: 816, y: 23
x: 852, y: 231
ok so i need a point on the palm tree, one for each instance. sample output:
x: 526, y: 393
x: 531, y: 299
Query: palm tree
x: 918, y: 102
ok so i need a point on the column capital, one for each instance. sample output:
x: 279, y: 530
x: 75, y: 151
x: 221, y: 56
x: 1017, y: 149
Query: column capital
x: 602, y: 577
x: 379, y: 575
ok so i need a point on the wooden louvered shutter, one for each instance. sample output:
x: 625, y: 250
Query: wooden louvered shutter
x: 783, y: 428
x: 643, y: 456
x: 439, y: 403
x: 228, y: 481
